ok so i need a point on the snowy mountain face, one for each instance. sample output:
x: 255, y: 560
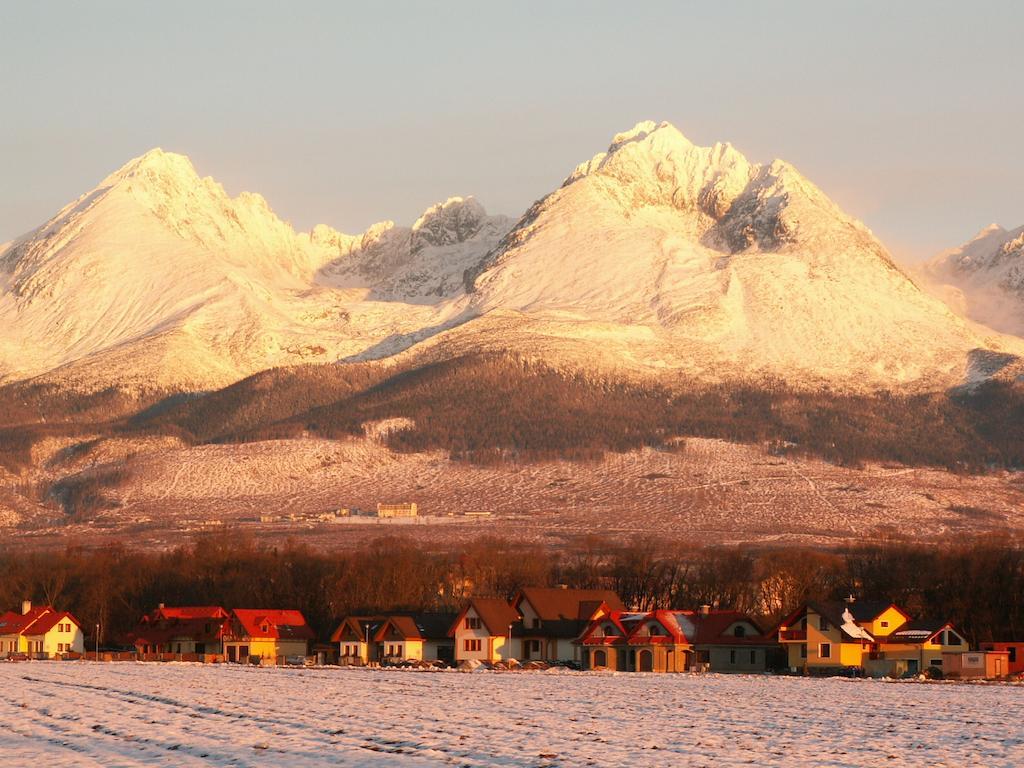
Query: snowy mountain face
x: 657, y: 255
x: 157, y: 278
x: 984, y: 278
x: 693, y: 258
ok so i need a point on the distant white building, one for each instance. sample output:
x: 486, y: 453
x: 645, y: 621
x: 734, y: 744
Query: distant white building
x: 397, y: 510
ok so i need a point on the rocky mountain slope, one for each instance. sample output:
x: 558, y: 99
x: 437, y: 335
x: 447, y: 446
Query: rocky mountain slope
x: 656, y: 255
x: 984, y: 278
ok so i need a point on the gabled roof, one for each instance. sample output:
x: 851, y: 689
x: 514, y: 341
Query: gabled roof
x: 711, y: 628
x: 494, y: 612
x: 919, y: 631
x: 273, y: 624
x: 557, y: 604
x: 38, y: 621
x: 403, y: 625
x: 358, y: 626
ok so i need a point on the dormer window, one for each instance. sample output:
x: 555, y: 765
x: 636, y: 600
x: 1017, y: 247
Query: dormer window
x: 823, y: 624
x: 739, y: 631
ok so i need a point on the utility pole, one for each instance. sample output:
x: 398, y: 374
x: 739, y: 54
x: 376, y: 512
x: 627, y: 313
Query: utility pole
x: 97, y: 641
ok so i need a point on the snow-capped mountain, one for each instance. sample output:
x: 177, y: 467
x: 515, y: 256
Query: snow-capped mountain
x: 657, y: 255
x: 158, y: 278
x: 984, y: 278
x: 695, y: 258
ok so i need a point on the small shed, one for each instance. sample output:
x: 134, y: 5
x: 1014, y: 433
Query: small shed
x: 976, y: 664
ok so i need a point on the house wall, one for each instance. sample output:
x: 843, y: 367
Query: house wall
x: 885, y: 623
x: 976, y: 664
x: 403, y: 649
x: 267, y: 649
x: 722, y: 659
x: 492, y: 648
x: 438, y: 650
x: 1015, y: 654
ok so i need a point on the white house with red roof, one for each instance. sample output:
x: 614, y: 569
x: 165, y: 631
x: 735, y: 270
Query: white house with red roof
x: 266, y: 636
x: 40, y: 632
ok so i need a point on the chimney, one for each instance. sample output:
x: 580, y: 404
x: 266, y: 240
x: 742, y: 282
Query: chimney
x: 563, y: 586
x: 704, y: 610
x: 26, y: 606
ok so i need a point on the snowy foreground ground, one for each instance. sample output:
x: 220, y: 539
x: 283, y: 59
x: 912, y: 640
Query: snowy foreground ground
x: 62, y: 714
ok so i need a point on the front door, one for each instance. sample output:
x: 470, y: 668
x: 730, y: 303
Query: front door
x: 646, y: 661
x: 232, y: 653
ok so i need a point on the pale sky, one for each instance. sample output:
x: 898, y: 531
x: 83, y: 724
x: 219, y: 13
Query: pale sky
x: 909, y: 114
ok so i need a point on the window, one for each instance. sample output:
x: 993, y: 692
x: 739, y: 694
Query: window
x: 753, y: 657
x: 472, y: 622
x: 739, y: 631
x: 732, y: 657
x: 1013, y: 654
x: 600, y: 659
x: 803, y: 650
x: 936, y: 662
x: 883, y: 624
x: 825, y: 651
x: 803, y: 623
x: 823, y: 624
x: 472, y: 645
x: 535, y: 622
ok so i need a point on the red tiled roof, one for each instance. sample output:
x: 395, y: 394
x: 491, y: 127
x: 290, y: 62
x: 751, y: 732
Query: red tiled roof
x: 191, y: 612
x: 273, y: 624
x: 38, y: 621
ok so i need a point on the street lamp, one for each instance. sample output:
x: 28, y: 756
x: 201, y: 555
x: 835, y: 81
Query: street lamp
x: 97, y: 641
x: 508, y: 656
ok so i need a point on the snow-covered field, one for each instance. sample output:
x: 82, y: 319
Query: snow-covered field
x: 61, y: 714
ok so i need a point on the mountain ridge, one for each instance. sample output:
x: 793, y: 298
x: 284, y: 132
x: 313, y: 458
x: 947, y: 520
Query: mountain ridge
x: 655, y: 255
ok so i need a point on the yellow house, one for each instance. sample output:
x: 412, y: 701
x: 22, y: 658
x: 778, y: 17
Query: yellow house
x: 483, y: 631
x: 41, y: 633
x: 266, y: 636
x: 830, y: 636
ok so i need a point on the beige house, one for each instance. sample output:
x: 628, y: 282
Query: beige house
x: 552, y: 618
x: 415, y: 637
x: 354, y: 637
x: 483, y: 631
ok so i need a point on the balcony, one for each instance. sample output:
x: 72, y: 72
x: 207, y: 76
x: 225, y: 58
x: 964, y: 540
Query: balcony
x: 793, y: 635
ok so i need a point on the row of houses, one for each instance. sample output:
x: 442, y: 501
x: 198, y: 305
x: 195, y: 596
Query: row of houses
x: 583, y: 628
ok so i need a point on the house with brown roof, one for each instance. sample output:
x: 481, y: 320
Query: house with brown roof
x: 483, y: 630
x: 40, y: 632
x: 266, y: 636
x: 354, y: 636
x: 415, y: 637
x: 552, y: 618
x: 184, y: 631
